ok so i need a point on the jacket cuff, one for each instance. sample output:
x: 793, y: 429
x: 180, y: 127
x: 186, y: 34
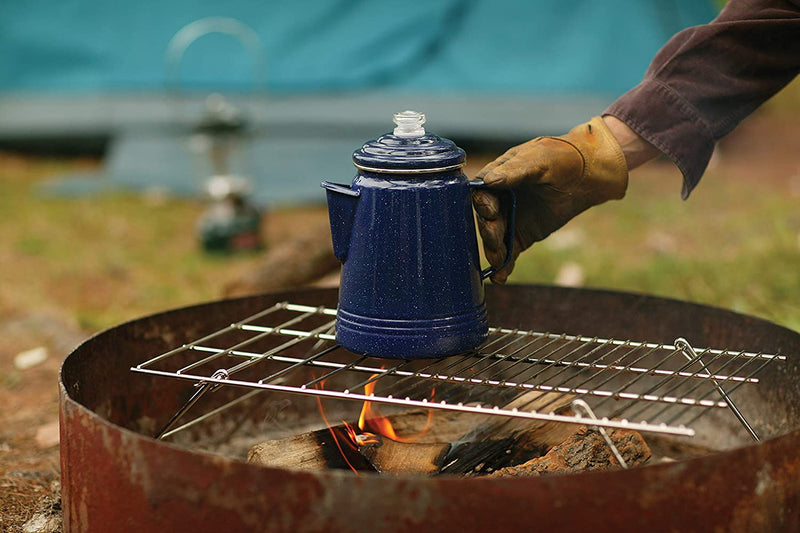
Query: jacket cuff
x: 667, y: 121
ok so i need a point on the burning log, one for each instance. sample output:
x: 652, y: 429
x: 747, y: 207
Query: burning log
x: 336, y: 447
x: 584, y: 450
x: 395, y: 457
x: 456, y: 443
x: 316, y: 450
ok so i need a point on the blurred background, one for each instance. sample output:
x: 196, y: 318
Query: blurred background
x: 310, y: 81
x: 154, y: 155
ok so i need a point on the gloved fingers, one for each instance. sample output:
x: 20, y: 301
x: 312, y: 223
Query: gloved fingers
x: 492, y: 232
x: 526, y: 162
x: 504, y: 173
x: 481, y: 175
x: 486, y: 204
x: 493, y: 236
x: 501, y: 276
x: 511, y: 152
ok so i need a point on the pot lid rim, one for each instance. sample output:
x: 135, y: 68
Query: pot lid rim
x: 428, y: 153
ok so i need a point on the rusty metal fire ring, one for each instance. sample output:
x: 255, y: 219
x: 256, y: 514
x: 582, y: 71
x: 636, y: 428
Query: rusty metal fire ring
x: 115, y: 477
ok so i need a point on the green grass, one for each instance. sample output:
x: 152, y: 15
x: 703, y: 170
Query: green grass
x: 733, y: 244
x: 104, y: 259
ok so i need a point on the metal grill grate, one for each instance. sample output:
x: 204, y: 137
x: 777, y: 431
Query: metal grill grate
x: 611, y: 383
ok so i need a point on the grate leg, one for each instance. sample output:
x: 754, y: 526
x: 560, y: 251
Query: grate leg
x: 583, y: 406
x: 202, y: 389
x: 690, y: 354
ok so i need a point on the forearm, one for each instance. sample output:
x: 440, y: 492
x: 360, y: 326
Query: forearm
x: 636, y: 149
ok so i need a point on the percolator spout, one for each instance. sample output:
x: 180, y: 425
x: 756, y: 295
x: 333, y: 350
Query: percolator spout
x: 342, y: 203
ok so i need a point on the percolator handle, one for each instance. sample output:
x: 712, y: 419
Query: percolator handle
x: 508, y: 239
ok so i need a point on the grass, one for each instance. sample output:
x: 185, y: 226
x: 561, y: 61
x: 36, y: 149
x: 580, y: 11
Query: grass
x: 101, y: 260
x: 734, y: 244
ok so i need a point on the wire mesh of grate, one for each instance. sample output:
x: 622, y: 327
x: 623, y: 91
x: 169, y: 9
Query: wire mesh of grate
x: 290, y: 348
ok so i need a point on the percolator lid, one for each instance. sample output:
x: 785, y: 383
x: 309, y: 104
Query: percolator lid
x: 409, y: 149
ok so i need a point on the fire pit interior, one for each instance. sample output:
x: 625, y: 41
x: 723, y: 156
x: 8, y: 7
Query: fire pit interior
x: 517, y: 379
x: 263, y: 377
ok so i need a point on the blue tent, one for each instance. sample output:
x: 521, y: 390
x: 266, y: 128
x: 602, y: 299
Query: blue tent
x: 316, y: 78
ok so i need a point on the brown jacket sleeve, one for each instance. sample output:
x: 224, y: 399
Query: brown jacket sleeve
x: 706, y: 79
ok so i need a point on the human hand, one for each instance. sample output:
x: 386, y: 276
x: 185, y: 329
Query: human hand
x: 554, y: 179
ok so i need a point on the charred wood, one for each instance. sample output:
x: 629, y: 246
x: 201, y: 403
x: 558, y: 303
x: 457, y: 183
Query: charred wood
x: 584, y: 450
x: 454, y: 443
x: 501, y: 441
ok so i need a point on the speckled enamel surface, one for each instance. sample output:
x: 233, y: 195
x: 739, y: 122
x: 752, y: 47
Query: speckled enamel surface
x: 411, y: 281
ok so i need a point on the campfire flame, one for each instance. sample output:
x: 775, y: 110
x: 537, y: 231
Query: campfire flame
x: 352, y: 442
x: 371, y: 424
x: 371, y: 418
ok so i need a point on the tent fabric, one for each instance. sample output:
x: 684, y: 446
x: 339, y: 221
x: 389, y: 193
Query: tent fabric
x: 529, y: 47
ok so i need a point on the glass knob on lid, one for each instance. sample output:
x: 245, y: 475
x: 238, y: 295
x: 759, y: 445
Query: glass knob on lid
x: 408, y: 148
x: 409, y: 124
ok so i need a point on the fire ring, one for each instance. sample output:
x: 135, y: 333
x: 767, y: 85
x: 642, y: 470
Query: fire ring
x: 117, y: 477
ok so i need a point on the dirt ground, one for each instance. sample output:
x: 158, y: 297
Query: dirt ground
x: 764, y: 148
x: 29, y: 463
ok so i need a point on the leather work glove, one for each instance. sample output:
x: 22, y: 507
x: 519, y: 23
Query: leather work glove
x: 554, y: 179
